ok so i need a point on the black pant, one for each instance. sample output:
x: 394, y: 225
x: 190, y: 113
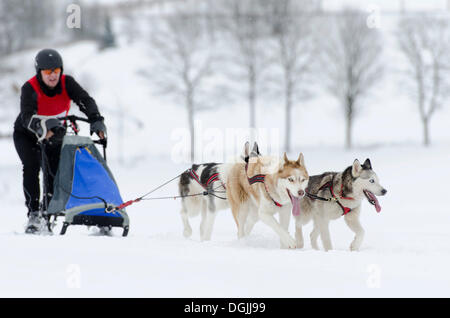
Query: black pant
x: 30, y: 154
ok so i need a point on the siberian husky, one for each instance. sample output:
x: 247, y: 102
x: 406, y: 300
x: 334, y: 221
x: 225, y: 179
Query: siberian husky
x: 202, y: 188
x: 263, y: 187
x: 331, y: 195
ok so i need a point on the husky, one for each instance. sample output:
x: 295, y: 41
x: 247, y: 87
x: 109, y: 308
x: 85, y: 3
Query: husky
x: 263, y: 187
x: 202, y: 189
x: 332, y: 195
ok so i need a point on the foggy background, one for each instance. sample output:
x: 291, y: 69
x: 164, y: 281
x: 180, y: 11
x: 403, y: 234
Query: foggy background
x: 306, y: 73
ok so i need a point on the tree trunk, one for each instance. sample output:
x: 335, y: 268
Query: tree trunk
x: 190, y: 107
x: 287, y: 140
x: 252, y: 101
x: 121, y: 129
x: 426, y: 132
x: 348, y: 133
x: 349, y: 123
x: 252, y: 105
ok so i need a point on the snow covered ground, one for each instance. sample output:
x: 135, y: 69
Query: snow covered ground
x: 406, y: 251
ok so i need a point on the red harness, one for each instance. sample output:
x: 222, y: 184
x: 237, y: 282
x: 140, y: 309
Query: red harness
x: 261, y: 178
x: 213, y: 178
x: 329, y: 185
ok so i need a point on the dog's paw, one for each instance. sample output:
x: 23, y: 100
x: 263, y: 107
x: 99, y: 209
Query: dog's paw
x: 354, y: 247
x: 288, y: 243
x: 205, y: 238
x: 315, y: 246
x: 187, y: 232
x: 299, y: 242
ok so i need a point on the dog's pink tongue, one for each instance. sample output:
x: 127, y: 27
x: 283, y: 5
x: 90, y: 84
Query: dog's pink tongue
x: 295, y: 205
x: 377, y: 204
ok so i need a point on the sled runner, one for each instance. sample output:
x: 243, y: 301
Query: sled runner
x: 85, y: 192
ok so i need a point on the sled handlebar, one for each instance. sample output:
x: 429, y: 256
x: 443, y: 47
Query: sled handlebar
x: 73, y: 120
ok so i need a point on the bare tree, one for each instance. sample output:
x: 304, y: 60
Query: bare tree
x: 108, y: 38
x: 8, y: 109
x: 22, y: 24
x: 131, y: 21
x: 350, y: 63
x: 22, y: 21
x: 94, y: 23
x: 246, y: 34
x: 183, y: 59
x: 295, y: 52
x: 425, y: 42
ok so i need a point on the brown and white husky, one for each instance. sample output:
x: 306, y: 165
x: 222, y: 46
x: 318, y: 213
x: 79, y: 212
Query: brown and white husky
x: 266, y: 186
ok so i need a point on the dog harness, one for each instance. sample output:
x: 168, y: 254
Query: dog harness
x: 213, y: 178
x: 261, y: 178
x: 329, y: 185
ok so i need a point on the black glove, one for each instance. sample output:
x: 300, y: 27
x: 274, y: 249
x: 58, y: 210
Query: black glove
x: 53, y: 124
x: 98, y: 126
x: 58, y: 135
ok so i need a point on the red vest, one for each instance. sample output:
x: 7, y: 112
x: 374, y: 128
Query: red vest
x: 51, y: 106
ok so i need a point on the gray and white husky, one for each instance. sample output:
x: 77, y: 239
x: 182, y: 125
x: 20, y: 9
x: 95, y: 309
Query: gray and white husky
x: 335, y: 194
x: 207, y: 178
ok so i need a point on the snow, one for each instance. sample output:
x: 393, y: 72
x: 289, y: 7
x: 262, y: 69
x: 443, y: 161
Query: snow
x: 405, y: 253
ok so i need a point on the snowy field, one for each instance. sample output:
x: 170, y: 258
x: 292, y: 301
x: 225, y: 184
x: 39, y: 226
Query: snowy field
x: 405, y: 253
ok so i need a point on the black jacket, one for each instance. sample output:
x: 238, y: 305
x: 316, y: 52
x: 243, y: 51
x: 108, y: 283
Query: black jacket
x: 28, y: 101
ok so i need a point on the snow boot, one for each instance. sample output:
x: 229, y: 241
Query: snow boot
x: 105, y: 230
x: 34, y: 224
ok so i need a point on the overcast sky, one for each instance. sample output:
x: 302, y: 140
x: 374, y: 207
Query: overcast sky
x: 388, y: 4
x: 363, y: 4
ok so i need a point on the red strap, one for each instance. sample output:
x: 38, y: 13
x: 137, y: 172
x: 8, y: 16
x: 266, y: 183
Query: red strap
x: 331, y: 189
x: 329, y: 185
x: 196, y: 178
x: 128, y: 203
x: 214, y: 177
x: 345, y: 209
x: 275, y: 202
x: 260, y: 178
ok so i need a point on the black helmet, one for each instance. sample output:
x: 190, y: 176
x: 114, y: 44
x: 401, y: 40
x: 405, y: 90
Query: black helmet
x: 47, y: 59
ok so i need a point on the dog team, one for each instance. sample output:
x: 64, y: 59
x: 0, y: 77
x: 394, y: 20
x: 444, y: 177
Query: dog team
x: 258, y: 187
